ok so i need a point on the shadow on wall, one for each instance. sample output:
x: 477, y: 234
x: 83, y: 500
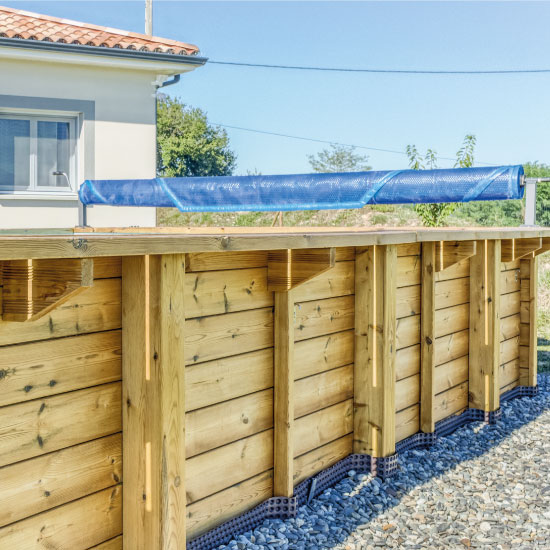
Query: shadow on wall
x: 359, y: 499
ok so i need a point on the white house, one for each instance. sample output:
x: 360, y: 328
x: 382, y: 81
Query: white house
x: 77, y: 101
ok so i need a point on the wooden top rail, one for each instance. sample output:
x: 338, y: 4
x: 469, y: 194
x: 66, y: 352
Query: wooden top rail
x: 91, y: 242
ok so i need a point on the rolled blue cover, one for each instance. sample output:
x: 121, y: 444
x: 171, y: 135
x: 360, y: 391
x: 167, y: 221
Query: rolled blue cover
x: 309, y: 191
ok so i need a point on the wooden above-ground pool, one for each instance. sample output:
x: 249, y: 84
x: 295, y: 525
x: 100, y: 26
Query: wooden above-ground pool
x: 155, y: 384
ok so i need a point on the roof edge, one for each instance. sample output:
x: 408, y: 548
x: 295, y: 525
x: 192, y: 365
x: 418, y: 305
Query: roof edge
x: 102, y: 51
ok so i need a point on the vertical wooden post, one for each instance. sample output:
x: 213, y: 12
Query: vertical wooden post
x: 485, y: 266
x: 375, y: 340
x: 427, y: 338
x: 283, y: 459
x: 153, y: 402
x: 528, y: 338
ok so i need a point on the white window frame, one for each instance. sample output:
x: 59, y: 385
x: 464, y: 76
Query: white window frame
x: 34, y: 189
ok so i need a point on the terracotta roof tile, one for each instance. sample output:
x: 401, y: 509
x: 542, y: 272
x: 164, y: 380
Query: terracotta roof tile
x: 32, y: 26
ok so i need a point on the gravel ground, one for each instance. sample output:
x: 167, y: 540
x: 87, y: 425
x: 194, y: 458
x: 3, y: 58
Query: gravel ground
x: 481, y: 487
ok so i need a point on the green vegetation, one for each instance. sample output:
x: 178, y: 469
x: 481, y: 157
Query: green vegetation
x: 434, y: 215
x: 187, y: 144
x: 339, y: 158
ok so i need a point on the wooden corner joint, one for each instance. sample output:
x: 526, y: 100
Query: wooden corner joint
x: 545, y: 246
x: 514, y: 249
x: 448, y: 253
x: 33, y: 288
x: 286, y: 269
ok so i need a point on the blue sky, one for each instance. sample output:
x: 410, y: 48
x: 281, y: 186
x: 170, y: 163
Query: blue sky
x: 510, y: 115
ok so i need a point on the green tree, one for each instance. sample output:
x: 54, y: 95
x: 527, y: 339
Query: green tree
x: 434, y: 215
x: 187, y: 144
x: 339, y: 158
x: 536, y: 170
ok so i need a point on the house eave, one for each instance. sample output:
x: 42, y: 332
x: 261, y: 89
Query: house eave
x: 115, y: 57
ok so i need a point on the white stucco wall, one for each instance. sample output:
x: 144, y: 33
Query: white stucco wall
x: 119, y: 143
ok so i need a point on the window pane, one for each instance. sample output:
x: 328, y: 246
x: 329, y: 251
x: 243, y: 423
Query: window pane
x: 14, y: 154
x: 54, y: 153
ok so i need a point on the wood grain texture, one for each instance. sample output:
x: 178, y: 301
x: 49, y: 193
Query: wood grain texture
x: 215, y: 261
x: 407, y: 362
x: 451, y: 402
x: 218, y: 292
x: 219, y: 336
x: 228, y: 421
x: 529, y: 320
x: 484, y: 350
x: 79, y: 525
x: 514, y: 249
x: 227, y: 378
x: 33, y: 486
x: 449, y: 253
x: 323, y: 353
x: 375, y: 348
x: 289, y: 268
x: 37, y: 427
x: 93, y: 310
x: 226, y: 466
x: 154, y: 397
x: 428, y: 331
x: 456, y: 271
x: 407, y: 392
x: 338, y: 281
x: 451, y: 374
x: 452, y: 346
x: 50, y: 367
x: 321, y: 427
x: 322, y: 390
x: 283, y: 394
x: 407, y: 422
x: 216, y: 509
x: 107, y: 267
x: 322, y: 458
x: 408, y: 271
x: 113, y: 544
x: 322, y: 317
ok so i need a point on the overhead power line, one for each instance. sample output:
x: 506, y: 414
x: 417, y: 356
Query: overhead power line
x: 302, y: 138
x: 380, y: 71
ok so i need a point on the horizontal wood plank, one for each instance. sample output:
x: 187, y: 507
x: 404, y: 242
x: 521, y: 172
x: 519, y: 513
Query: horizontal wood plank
x: 37, y: 427
x: 323, y: 353
x: 509, y: 372
x: 509, y: 304
x: 408, y: 331
x: 408, y: 249
x: 322, y: 458
x: 407, y: 422
x: 33, y: 486
x: 451, y: 402
x: 321, y: 427
x: 452, y: 292
x: 94, y: 309
x: 226, y: 466
x: 451, y: 374
x: 216, y: 509
x: 408, y: 271
x: 510, y: 327
x: 323, y: 317
x: 225, y: 422
x: 451, y: 346
x: 227, y: 378
x: 407, y: 392
x: 509, y: 349
x: 107, y: 267
x: 337, y: 281
x: 322, y: 390
x: 407, y: 362
x: 407, y: 301
x: 218, y: 292
x: 79, y: 525
x: 452, y: 319
x: 39, y: 369
x: 219, y: 336
x: 113, y: 544
x: 456, y: 271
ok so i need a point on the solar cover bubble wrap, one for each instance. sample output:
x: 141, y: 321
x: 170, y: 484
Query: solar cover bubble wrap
x: 309, y: 191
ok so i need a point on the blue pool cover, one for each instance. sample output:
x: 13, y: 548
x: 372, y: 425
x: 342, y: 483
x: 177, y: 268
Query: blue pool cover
x: 309, y: 191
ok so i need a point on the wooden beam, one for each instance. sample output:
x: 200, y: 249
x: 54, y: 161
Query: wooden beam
x: 283, y: 450
x: 427, y: 337
x: 286, y: 269
x: 485, y: 266
x: 375, y: 347
x: 33, y: 288
x: 545, y: 246
x: 153, y: 402
x: 448, y: 253
x: 528, y: 337
x: 514, y: 249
